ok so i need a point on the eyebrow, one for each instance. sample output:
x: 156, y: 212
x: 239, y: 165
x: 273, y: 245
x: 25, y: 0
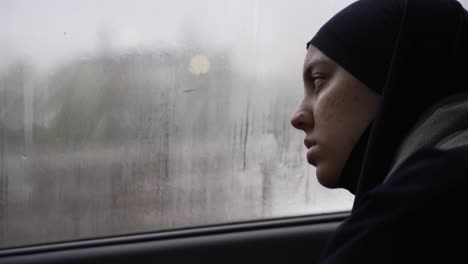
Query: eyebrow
x: 311, y: 66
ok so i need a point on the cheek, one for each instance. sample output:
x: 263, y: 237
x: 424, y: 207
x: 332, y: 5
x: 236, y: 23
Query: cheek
x: 328, y: 110
x: 334, y: 118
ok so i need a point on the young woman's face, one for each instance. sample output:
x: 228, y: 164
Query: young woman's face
x: 335, y: 111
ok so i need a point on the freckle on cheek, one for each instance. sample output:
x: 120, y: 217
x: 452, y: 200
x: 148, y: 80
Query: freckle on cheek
x: 330, y: 106
x: 328, y: 115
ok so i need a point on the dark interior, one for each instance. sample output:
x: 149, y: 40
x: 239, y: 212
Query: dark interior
x: 288, y: 240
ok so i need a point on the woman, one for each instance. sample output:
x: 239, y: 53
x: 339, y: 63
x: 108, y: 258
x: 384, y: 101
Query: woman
x: 385, y: 112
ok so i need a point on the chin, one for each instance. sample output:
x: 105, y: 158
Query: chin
x: 326, y: 178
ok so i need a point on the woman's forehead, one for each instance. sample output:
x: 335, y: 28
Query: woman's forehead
x: 315, y: 57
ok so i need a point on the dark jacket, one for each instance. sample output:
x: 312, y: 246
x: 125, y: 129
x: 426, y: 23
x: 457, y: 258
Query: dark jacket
x: 417, y: 216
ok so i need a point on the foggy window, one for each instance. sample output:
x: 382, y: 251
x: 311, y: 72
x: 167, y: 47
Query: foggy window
x: 120, y: 117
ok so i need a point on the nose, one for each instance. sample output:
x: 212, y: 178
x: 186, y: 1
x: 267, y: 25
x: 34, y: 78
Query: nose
x: 301, y: 118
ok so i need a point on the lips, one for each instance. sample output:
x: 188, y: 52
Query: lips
x: 312, y: 155
x: 308, y: 143
x: 311, y: 146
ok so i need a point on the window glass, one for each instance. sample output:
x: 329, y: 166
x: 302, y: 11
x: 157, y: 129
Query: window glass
x: 121, y: 117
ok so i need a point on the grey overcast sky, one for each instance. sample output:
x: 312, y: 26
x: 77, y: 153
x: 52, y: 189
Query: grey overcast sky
x: 47, y: 31
x: 272, y: 32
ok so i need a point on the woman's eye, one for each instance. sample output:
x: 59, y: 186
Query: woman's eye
x: 317, y: 81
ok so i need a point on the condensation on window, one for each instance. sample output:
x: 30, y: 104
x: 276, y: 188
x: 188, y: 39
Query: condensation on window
x: 121, y: 117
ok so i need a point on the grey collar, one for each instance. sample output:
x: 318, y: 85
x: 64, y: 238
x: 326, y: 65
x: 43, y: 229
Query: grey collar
x: 443, y: 126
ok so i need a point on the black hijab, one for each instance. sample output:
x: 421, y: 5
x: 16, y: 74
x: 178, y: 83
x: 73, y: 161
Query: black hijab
x: 413, y: 53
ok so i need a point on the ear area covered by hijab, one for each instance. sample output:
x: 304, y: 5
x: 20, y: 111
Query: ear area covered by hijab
x: 413, y: 53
